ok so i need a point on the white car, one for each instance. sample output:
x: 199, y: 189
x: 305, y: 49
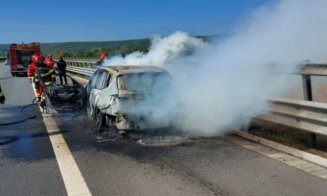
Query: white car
x: 127, y: 98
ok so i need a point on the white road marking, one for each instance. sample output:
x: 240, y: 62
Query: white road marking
x: 283, y: 148
x: 301, y: 164
x: 71, y: 175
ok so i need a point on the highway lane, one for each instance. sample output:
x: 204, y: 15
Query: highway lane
x: 27, y: 162
x: 207, y: 166
x: 202, y: 166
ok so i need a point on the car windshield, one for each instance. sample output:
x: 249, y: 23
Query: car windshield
x: 144, y: 82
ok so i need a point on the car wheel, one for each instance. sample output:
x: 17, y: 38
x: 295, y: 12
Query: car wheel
x: 112, y: 128
x: 100, y: 121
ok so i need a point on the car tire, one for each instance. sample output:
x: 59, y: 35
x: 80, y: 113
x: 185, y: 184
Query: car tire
x: 111, y: 127
x: 100, y: 122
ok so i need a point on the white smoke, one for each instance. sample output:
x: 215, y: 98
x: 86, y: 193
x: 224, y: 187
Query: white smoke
x: 217, y: 85
x: 163, y: 50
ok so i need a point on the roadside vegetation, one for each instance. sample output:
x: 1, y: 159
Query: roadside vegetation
x: 92, y: 50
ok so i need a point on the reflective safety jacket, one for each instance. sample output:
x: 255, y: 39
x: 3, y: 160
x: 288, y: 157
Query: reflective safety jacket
x: 47, y: 76
x: 31, y: 70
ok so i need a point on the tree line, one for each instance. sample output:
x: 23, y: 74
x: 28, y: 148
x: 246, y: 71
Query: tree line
x: 93, y: 50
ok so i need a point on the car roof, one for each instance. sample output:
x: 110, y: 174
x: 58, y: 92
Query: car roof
x: 121, y: 69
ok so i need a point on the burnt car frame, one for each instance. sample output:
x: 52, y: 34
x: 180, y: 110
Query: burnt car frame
x: 61, y: 98
x: 123, y: 97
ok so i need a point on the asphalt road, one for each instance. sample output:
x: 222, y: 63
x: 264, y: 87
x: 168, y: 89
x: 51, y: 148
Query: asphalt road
x: 198, y: 167
x: 27, y: 162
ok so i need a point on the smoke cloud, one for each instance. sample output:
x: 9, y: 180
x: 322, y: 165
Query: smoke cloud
x: 163, y: 50
x: 218, y: 86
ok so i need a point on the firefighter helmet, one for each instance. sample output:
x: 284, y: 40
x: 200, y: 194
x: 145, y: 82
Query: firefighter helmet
x: 36, y: 58
x: 49, y: 63
x: 103, y: 56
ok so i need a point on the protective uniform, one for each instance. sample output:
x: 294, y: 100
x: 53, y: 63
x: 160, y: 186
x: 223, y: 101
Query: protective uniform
x: 32, y: 74
x: 47, y: 76
x: 2, y: 96
x: 49, y: 62
x: 103, y: 56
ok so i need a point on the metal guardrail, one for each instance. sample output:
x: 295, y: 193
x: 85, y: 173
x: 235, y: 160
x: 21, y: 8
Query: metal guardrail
x: 304, y: 115
x: 80, y: 70
x: 314, y: 69
x: 82, y: 64
x: 300, y: 114
x: 85, y: 68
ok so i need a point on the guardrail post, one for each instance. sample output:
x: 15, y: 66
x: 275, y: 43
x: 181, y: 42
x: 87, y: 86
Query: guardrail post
x: 307, y: 88
x: 307, y: 93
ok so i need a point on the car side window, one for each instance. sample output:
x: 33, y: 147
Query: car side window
x: 102, y: 80
x: 98, y: 81
x: 108, y: 81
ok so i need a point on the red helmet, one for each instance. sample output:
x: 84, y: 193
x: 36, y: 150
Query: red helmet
x: 36, y: 58
x: 103, y: 56
x: 49, y: 63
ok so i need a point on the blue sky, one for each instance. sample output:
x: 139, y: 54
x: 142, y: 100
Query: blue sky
x: 86, y: 20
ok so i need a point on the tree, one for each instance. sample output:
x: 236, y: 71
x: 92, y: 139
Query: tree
x: 58, y: 52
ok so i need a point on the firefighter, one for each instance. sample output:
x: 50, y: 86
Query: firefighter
x: 103, y: 56
x: 49, y: 61
x: 31, y: 74
x: 2, y: 96
x: 47, y: 76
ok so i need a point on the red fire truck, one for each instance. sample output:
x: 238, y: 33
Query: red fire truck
x: 19, y: 56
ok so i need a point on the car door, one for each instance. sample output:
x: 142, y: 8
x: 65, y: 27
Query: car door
x: 103, y: 100
x: 98, y: 86
x: 91, y: 83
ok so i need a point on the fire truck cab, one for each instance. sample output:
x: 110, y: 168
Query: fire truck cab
x: 19, y: 56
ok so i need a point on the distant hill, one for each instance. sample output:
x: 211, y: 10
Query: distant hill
x: 84, y: 47
x: 93, y: 49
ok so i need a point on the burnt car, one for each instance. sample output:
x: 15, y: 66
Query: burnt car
x: 60, y: 98
x: 128, y: 98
